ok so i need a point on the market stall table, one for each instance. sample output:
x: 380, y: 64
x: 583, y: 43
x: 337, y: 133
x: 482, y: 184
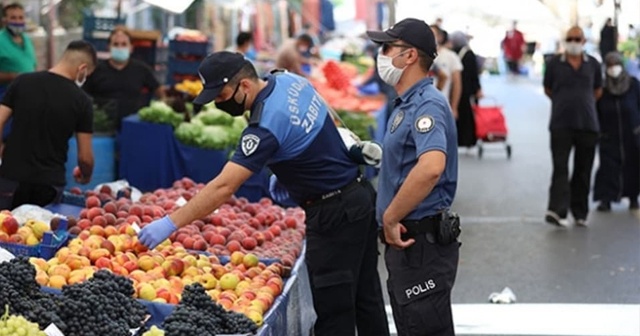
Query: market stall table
x: 151, y: 157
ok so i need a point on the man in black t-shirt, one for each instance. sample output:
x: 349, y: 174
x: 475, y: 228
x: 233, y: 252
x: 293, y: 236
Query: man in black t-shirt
x: 47, y: 107
x: 121, y: 84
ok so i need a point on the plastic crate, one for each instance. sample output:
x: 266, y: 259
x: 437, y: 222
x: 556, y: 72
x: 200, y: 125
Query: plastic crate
x: 73, y: 199
x: 189, y: 48
x: 183, y: 67
x: 51, y: 243
x: 92, y: 24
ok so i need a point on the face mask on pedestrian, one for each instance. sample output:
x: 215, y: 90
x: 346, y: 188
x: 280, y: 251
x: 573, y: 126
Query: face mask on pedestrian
x: 16, y: 28
x: 120, y: 54
x: 81, y: 77
x: 231, y: 106
x: 573, y: 48
x: 614, y: 71
x: 388, y: 72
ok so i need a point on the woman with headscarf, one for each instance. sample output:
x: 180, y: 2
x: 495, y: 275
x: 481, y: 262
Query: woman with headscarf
x: 619, y: 114
x: 471, y: 89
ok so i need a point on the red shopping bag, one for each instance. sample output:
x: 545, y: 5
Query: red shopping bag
x: 490, y: 122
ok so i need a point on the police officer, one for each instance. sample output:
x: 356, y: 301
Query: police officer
x: 291, y: 131
x: 417, y: 183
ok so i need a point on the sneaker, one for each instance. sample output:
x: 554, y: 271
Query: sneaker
x: 604, y: 207
x: 581, y: 223
x: 633, y: 204
x: 553, y: 219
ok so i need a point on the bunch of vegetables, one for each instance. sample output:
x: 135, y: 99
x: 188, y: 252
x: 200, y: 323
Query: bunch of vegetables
x: 160, y: 113
x: 211, y: 129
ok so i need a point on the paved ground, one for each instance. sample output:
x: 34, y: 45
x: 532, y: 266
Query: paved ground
x: 506, y: 242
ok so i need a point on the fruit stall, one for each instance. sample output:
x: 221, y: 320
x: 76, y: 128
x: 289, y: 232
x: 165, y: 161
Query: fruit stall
x: 238, y: 271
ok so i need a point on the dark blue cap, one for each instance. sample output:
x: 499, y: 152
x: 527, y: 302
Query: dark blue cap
x: 413, y: 31
x: 215, y: 71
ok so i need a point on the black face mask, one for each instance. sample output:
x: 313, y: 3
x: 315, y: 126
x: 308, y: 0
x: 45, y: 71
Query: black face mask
x: 231, y: 106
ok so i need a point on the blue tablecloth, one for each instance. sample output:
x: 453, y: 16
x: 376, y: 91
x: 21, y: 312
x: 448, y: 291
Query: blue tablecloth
x: 151, y: 158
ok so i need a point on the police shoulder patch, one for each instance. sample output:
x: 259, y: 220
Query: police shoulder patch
x: 249, y: 144
x: 425, y: 123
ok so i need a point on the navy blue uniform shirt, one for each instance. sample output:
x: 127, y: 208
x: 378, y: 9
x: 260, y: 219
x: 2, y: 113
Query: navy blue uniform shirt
x: 291, y: 131
x: 421, y: 122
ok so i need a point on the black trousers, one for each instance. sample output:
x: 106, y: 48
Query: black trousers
x: 571, y: 194
x: 14, y: 194
x: 342, y: 259
x: 421, y: 278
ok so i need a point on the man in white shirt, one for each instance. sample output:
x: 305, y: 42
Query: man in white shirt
x: 449, y: 62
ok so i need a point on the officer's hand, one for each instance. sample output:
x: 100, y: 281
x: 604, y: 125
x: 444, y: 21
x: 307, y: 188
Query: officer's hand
x: 156, y: 232
x: 392, y: 234
x: 277, y: 191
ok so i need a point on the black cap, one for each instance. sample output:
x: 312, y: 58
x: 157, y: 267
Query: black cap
x: 413, y: 31
x: 215, y: 71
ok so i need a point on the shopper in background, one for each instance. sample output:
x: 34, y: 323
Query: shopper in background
x: 244, y: 45
x: 449, y: 62
x: 121, y: 85
x: 16, y: 49
x: 295, y: 55
x: 513, y: 47
x: 573, y: 82
x: 417, y: 184
x: 292, y: 132
x: 619, y: 114
x: 48, y: 108
x: 471, y: 90
x: 608, y: 38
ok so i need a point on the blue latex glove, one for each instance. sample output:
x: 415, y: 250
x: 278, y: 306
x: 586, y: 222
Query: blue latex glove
x: 156, y: 232
x: 277, y: 191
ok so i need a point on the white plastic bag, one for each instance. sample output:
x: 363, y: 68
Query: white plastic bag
x: 26, y: 212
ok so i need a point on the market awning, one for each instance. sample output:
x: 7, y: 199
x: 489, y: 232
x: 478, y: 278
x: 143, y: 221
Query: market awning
x: 174, y: 6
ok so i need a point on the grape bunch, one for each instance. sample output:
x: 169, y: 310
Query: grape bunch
x: 22, y: 294
x: 18, y: 325
x: 103, y: 305
x: 198, y: 314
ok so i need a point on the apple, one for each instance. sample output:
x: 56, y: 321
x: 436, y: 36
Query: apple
x: 229, y: 281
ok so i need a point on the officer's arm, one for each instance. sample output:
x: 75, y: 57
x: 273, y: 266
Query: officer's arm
x: 214, y: 194
x: 418, y: 185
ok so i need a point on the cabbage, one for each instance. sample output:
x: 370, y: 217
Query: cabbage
x: 215, y: 117
x: 161, y: 113
x: 188, y: 133
x: 214, y: 137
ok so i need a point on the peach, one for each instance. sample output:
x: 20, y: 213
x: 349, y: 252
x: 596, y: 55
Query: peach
x: 84, y: 224
x: 42, y: 278
x: 130, y: 266
x: 233, y: 246
x: 94, y: 212
x: 147, y: 263
x: 236, y: 258
x: 57, y: 281
x: 249, y: 243
x: 92, y: 202
x: 97, y: 230
x: 99, y: 220
x: 250, y: 260
x: 108, y: 245
x: 98, y: 253
x: 9, y: 225
x: 61, y: 270
x: 103, y: 262
x: 200, y: 245
x: 111, y: 207
x: 173, y: 267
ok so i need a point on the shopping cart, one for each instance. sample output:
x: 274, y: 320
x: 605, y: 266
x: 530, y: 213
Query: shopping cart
x: 491, y: 126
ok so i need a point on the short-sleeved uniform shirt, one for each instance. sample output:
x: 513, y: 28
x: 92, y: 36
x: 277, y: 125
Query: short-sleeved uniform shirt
x: 47, y: 110
x: 421, y: 122
x: 573, y: 103
x: 14, y: 57
x: 291, y: 131
x: 126, y: 87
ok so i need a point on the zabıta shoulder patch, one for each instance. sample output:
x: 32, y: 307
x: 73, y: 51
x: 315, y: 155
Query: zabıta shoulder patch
x: 250, y: 143
x: 425, y: 123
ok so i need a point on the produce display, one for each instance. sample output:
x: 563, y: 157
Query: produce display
x: 211, y: 129
x: 190, y: 87
x: 18, y: 325
x: 160, y: 113
x: 29, y: 233
x: 338, y: 91
x: 359, y: 123
x: 197, y: 314
x: 100, y: 306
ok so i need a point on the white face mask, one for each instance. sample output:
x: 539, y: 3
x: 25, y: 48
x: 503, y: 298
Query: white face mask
x: 614, y: 71
x: 388, y: 72
x: 80, y: 82
x: 573, y: 48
